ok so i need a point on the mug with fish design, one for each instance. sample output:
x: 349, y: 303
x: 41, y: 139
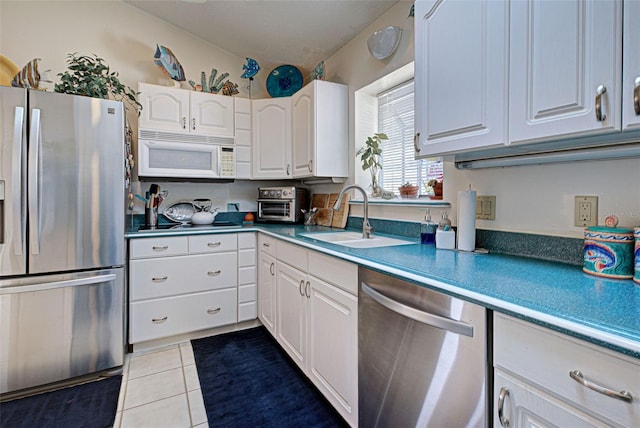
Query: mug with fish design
x: 608, y: 252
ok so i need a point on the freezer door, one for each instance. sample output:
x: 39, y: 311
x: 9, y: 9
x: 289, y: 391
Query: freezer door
x: 75, y: 183
x: 55, y: 328
x: 13, y: 116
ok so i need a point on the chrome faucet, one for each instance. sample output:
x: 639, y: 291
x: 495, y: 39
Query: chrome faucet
x: 367, y: 230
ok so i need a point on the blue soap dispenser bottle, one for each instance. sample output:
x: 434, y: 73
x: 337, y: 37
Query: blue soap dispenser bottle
x: 428, y: 230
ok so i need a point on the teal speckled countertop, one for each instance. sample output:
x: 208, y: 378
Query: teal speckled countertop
x: 560, y: 296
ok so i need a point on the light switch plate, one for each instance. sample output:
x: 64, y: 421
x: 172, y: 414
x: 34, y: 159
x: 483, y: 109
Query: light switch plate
x: 486, y: 207
x: 586, y: 211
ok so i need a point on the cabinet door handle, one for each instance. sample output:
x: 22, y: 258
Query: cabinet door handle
x: 310, y: 166
x: 214, y: 244
x: 307, y: 289
x: 214, y: 272
x: 271, y: 269
x: 416, y: 141
x: 184, y: 122
x: 288, y: 168
x: 193, y: 123
x: 213, y: 311
x: 159, y: 278
x: 160, y: 247
x: 504, y: 393
x: 300, y: 287
x: 600, y: 91
x: 636, y: 96
x: 579, y: 377
x: 159, y: 320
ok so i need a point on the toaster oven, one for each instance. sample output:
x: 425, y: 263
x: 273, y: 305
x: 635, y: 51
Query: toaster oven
x: 281, y: 204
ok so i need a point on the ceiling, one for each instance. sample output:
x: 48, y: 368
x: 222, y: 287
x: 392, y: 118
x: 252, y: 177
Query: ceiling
x: 296, y: 32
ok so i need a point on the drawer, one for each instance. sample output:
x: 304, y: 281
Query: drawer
x: 334, y: 271
x: 247, y: 275
x: 154, y: 319
x: 545, y: 358
x: 267, y: 244
x: 153, y: 278
x: 158, y: 247
x: 247, y: 311
x: 213, y: 243
x: 247, y: 257
x: 247, y: 240
x: 247, y: 293
x: 293, y: 255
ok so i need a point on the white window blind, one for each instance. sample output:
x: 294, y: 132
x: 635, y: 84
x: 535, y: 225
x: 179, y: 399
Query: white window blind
x: 395, y: 118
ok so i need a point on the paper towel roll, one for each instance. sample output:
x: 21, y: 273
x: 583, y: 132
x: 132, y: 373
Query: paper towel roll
x: 467, y: 220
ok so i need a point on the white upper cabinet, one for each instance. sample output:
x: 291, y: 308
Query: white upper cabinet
x: 631, y: 66
x: 320, y: 140
x: 460, y: 75
x: 271, y: 130
x: 565, y: 60
x: 183, y: 111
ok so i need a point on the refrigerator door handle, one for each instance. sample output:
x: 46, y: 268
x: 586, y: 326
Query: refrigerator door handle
x: 58, y: 284
x: 18, y: 209
x: 34, y: 181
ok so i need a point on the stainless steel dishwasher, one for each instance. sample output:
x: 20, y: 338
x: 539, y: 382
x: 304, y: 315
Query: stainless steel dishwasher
x: 422, y: 359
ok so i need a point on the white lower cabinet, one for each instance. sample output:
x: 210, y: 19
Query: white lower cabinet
x: 316, y: 317
x: 543, y: 378
x: 181, y: 284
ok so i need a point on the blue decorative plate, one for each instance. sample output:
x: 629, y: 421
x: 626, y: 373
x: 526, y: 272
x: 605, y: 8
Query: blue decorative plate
x: 284, y: 81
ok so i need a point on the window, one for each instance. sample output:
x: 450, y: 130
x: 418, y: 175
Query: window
x: 396, y: 120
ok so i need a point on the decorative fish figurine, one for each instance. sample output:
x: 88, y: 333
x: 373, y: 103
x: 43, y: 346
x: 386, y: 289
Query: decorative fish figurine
x: 168, y: 63
x: 251, y: 68
x: 230, y: 88
x: 318, y: 72
x: 30, y: 77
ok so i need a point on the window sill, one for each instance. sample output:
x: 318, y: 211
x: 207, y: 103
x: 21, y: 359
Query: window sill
x: 423, y: 201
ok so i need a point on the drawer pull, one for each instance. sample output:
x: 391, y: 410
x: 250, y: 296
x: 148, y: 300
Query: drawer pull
x: 159, y: 279
x: 160, y: 247
x: 213, y: 311
x: 214, y: 272
x: 214, y: 244
x: 579, y: 377
x: 265, y: 244
x: 159, y: 320
x: 504, y: 393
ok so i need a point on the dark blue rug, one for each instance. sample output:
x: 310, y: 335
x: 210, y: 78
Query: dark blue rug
x: 247, y: 380
x: 92, y: 404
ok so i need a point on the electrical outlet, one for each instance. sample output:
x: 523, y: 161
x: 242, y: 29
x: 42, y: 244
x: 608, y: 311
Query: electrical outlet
x: 586, y: 211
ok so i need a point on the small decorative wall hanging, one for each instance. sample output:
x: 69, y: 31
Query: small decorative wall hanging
x: 251, y: 68
x: 383, y: 43
x: 412, y: 11
x: 214, y: 85
x: 30, y: 77
x: 168, y: 63
x: 318, y: 72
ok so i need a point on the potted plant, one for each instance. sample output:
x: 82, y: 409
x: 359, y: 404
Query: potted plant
x: 436, y: 186
x: 90, y: 76
x: 370, y: 156
x: 408, y: 190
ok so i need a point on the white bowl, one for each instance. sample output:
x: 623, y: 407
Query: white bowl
x: 203, y: 217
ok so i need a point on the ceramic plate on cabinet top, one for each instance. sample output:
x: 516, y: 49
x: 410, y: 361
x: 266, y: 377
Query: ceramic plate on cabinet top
x: 180, y: 212
x: 284, y: 81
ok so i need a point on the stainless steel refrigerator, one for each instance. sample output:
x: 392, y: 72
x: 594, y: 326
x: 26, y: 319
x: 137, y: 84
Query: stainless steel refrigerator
x: 61, y: 237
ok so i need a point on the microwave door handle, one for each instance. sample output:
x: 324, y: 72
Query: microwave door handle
x: 219, y: 166
x: 34, y: 184
x: 18, y: 208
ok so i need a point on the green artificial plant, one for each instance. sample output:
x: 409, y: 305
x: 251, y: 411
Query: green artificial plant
x: 371, y: 156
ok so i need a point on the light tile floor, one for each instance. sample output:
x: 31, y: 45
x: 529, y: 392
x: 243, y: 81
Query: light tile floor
x: 160, y: 389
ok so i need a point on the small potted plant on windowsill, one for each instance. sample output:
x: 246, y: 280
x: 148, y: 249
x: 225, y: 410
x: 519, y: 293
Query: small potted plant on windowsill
x: 370, y: 155
x: 409, y: 190
x: 436, y: 186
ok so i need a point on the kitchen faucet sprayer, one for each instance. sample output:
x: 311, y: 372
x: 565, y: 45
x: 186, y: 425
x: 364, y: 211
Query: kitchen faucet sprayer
x: 367, y: 230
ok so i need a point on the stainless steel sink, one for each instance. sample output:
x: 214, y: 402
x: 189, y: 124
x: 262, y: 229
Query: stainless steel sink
x: 355, y: 239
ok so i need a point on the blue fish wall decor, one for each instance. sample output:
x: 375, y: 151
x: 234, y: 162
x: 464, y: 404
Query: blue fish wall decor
x: 251, y: 68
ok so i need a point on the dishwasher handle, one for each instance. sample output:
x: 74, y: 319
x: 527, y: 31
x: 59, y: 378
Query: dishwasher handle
x: 418, y: 315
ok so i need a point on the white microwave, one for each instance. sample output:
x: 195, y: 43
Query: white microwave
x: 176, y: 156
